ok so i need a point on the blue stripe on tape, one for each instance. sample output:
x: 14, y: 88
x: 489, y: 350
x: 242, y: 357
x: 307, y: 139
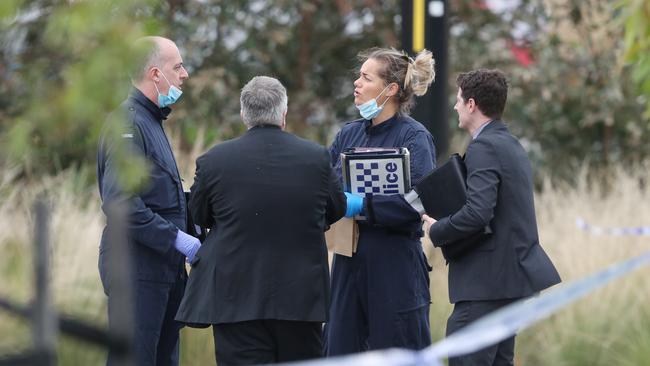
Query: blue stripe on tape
x: 612, y: 231
x: 493, y: 327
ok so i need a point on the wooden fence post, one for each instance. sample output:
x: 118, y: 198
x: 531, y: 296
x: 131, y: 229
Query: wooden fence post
x: 45, y: 323
x: 120, y: 300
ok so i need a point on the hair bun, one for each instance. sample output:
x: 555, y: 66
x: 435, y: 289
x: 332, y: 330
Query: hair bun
x: 421, y: 73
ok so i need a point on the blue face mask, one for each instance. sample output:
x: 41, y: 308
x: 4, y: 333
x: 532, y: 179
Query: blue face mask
x: 172, y: 95
x: 370, y: 109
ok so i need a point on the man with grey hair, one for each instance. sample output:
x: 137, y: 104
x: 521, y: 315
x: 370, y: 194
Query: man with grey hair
x: 156, y: 215
x: 263, y: 101
x: 261, y: 279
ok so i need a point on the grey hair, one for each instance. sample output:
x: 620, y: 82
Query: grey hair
x: 147, y: 55
x: 263, y: 101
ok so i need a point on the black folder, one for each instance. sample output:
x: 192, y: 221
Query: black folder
x: 443, y: 192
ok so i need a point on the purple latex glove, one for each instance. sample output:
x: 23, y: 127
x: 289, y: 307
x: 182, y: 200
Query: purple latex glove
x: 188, y: 245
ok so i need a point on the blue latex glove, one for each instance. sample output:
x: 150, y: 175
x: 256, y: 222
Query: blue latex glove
x: 354, y: 204
x: 188, y: 245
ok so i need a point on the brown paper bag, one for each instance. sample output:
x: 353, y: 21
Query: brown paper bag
x: 342, y: 237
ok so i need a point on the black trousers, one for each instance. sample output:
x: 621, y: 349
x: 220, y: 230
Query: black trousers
x: 266, y: 341
x: 465, y: 312
x: 156, y: 332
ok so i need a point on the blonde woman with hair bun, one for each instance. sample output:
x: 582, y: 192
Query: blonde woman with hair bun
x: 380, y: 295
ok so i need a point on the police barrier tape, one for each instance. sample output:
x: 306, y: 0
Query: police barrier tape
x: 493, y: 327
x: 613, y: 231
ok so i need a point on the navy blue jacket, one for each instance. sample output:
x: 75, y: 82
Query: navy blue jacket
x: 159, y: 210
x: 389, y: 265
x: 390, y: 211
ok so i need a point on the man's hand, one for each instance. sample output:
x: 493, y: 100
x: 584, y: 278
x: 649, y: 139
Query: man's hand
x: 354, y: 204
x: 188, y: 245
x: 428, y: 221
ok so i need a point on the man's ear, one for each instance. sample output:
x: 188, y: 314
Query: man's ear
x: 152, y: 74
x: 471, y: 105
x: 284, y: 120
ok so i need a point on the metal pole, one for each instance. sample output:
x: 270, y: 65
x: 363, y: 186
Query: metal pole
x: 45, y: 327
x: 424, y: 25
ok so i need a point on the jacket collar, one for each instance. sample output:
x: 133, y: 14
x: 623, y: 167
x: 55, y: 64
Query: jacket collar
x: 494, y: 125
x: 382, y: 127
x: 160, y: 114
x: 264, y: 126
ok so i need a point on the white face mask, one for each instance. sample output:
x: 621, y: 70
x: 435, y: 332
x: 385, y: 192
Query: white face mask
x: 370, y: 109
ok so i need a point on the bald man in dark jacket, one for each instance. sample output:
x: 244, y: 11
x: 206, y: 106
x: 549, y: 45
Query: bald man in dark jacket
x: 158, y: 244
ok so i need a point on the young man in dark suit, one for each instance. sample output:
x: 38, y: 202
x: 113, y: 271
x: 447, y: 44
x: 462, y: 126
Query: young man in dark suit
x: 261, y: 279
x: 509, y: 264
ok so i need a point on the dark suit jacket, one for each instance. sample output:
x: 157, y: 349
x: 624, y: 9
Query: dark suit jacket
x: 268, y: 197
x: 510, y: 263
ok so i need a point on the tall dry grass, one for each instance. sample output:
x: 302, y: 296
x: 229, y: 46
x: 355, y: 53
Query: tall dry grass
x: 610, y: 326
